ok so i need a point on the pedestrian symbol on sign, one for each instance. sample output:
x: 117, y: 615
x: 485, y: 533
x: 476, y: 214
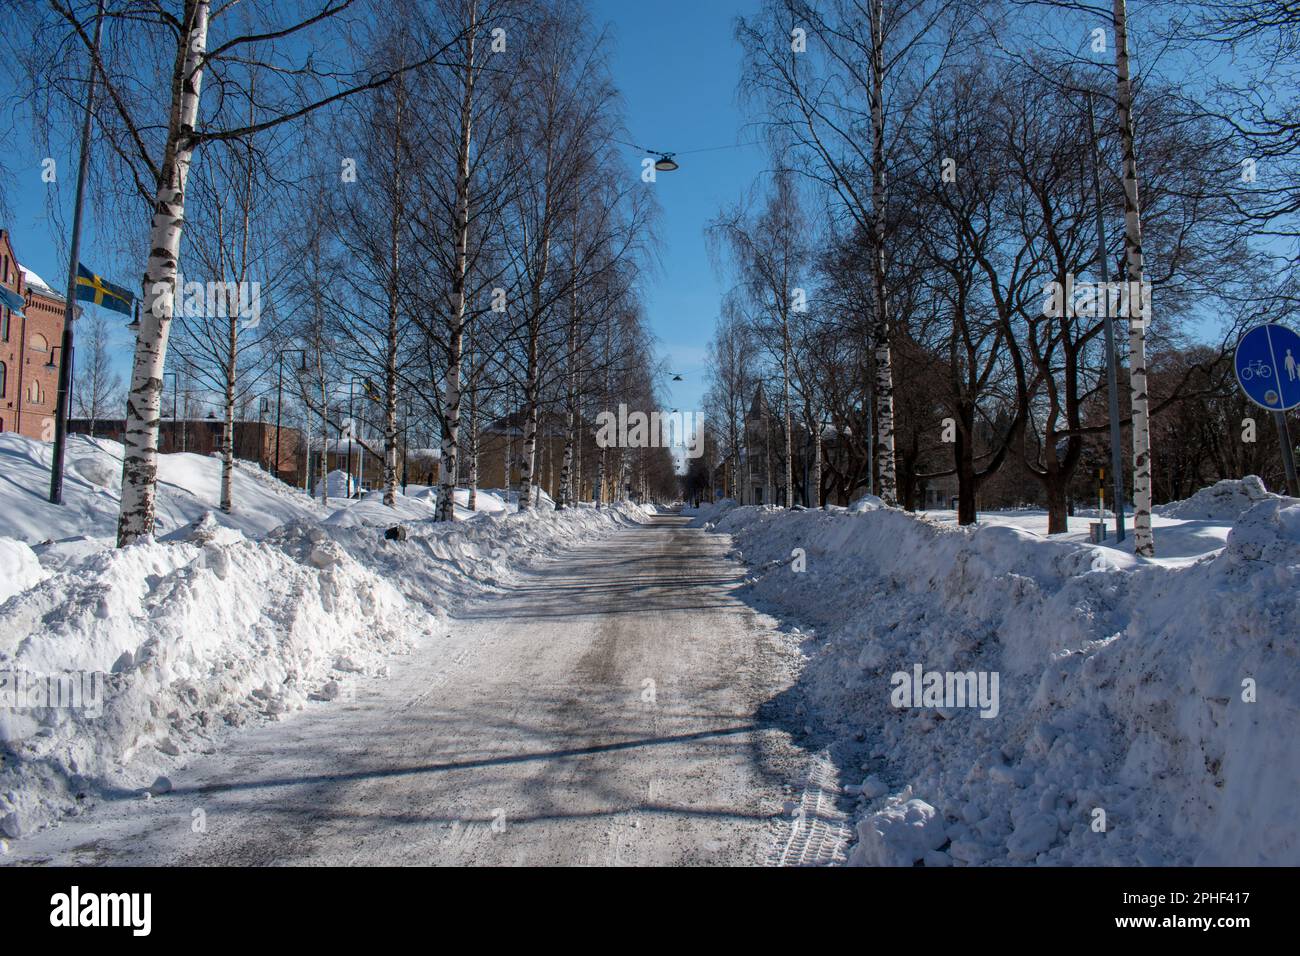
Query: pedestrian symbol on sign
x: 1266, y: 371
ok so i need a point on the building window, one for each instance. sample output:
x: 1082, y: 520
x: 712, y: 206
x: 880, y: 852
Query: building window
x: 4, y: 324
x: 38, y: 343
x: 4, y: 380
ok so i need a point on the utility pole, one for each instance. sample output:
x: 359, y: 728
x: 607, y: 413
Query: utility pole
x: 70, y: 306
x: 1112, y: 374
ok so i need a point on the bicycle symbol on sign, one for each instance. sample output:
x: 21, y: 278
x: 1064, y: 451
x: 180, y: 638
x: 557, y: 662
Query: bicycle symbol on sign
x: 1256, y: 368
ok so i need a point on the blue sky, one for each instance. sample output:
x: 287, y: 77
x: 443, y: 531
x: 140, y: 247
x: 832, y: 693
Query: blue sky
x: 677, y: 65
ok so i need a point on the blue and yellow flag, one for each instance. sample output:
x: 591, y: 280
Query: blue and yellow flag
x: 12, y: 301
x: 94, y: 288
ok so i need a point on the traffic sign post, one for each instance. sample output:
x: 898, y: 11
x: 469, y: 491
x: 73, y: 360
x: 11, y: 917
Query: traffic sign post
x: 1288, y: 456
x: 1267, y: 364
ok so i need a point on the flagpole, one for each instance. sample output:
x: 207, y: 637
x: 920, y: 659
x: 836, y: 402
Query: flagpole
x: 70, y: 306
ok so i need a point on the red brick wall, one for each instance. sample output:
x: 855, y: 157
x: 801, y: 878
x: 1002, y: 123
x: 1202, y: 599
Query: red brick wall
x: 26, y: 346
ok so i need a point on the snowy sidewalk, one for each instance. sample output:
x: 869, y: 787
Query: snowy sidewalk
x: 602, y: 712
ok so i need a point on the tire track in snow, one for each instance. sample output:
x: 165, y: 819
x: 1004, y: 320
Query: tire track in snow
x: 817, y: 832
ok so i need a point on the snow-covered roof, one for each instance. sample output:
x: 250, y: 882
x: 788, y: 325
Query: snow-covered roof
x: 37, y: 284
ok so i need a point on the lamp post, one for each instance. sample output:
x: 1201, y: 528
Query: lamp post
x: 361, y: 459
x: 74, y: 251
x: 279, y: 394
x: 176, y: 387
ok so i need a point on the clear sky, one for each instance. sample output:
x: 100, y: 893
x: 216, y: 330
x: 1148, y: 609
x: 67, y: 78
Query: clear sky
x: 677, y: 64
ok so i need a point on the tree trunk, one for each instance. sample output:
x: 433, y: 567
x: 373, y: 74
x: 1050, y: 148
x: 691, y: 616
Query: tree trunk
x: 884, y: 359
x: 528, y: 467
x: 816, y: 479
x: 323, y: 463
x: 473, y: 457
x: 964, y: 460
x: 472, y: 478
x: 140, y: 436
x: 1143, y: 538
x: 1055, y: 484
x: 394, y: 266
x: 451, y: 434
x: 571, y: 424
x: 789, y: 423
x: 228, y: 421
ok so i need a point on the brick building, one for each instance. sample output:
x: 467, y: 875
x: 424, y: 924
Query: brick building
x: 30, y: 351
x: 503, y: 439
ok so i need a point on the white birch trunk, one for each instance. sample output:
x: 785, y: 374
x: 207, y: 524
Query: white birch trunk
x: 323, y: 462
x: 789, y: 431
x: 1143, y: 538
x: 472, y: 479
x: 451, y: 434
x: 571, y: 425
x: 394, y: 266
x: 228, y: 421
x: 140, y: 437
x: 884, y: 359
x: 528, y: 466
x: 816, y: 479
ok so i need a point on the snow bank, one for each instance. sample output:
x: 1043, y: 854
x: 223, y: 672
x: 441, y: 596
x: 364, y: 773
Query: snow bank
x: 19, y: 568
x: 130, y: 661
x: 184, y: 639
x: 1225, y: 500
x: 1124, y: 687
x: 708, y: 514
x: 440, y: 566
x: 189, y: 486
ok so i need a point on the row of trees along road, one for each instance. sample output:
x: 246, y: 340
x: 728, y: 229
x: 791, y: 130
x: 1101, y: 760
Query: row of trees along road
x: 427, y: 195
x: 933, y: 174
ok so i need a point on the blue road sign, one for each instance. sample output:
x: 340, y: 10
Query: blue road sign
x: 1268, y: 367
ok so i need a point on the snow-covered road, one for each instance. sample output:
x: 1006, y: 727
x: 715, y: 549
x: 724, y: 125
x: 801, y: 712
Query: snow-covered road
x: 608, y: 710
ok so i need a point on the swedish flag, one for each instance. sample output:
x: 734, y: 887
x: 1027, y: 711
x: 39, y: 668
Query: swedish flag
x: 12, y: 301
x: 94, y: 288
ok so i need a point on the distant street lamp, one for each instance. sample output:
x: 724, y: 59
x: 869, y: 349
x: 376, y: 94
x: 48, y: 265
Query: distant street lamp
x: 366, y: 390
x: 665, y: 163
x: 176, y: 387
x: 50, y: 366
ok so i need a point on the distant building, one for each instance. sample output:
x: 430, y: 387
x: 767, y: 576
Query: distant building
x: 30, y: 352
x: 502, y: 441
x: 417, y: 466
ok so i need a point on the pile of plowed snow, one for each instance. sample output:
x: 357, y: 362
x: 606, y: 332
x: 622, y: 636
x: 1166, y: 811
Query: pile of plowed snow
x: 1225, y: 500
x: 1145, y: 714
x: 172, y: 643
x: 189, y: 486
x: 116, y: 665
